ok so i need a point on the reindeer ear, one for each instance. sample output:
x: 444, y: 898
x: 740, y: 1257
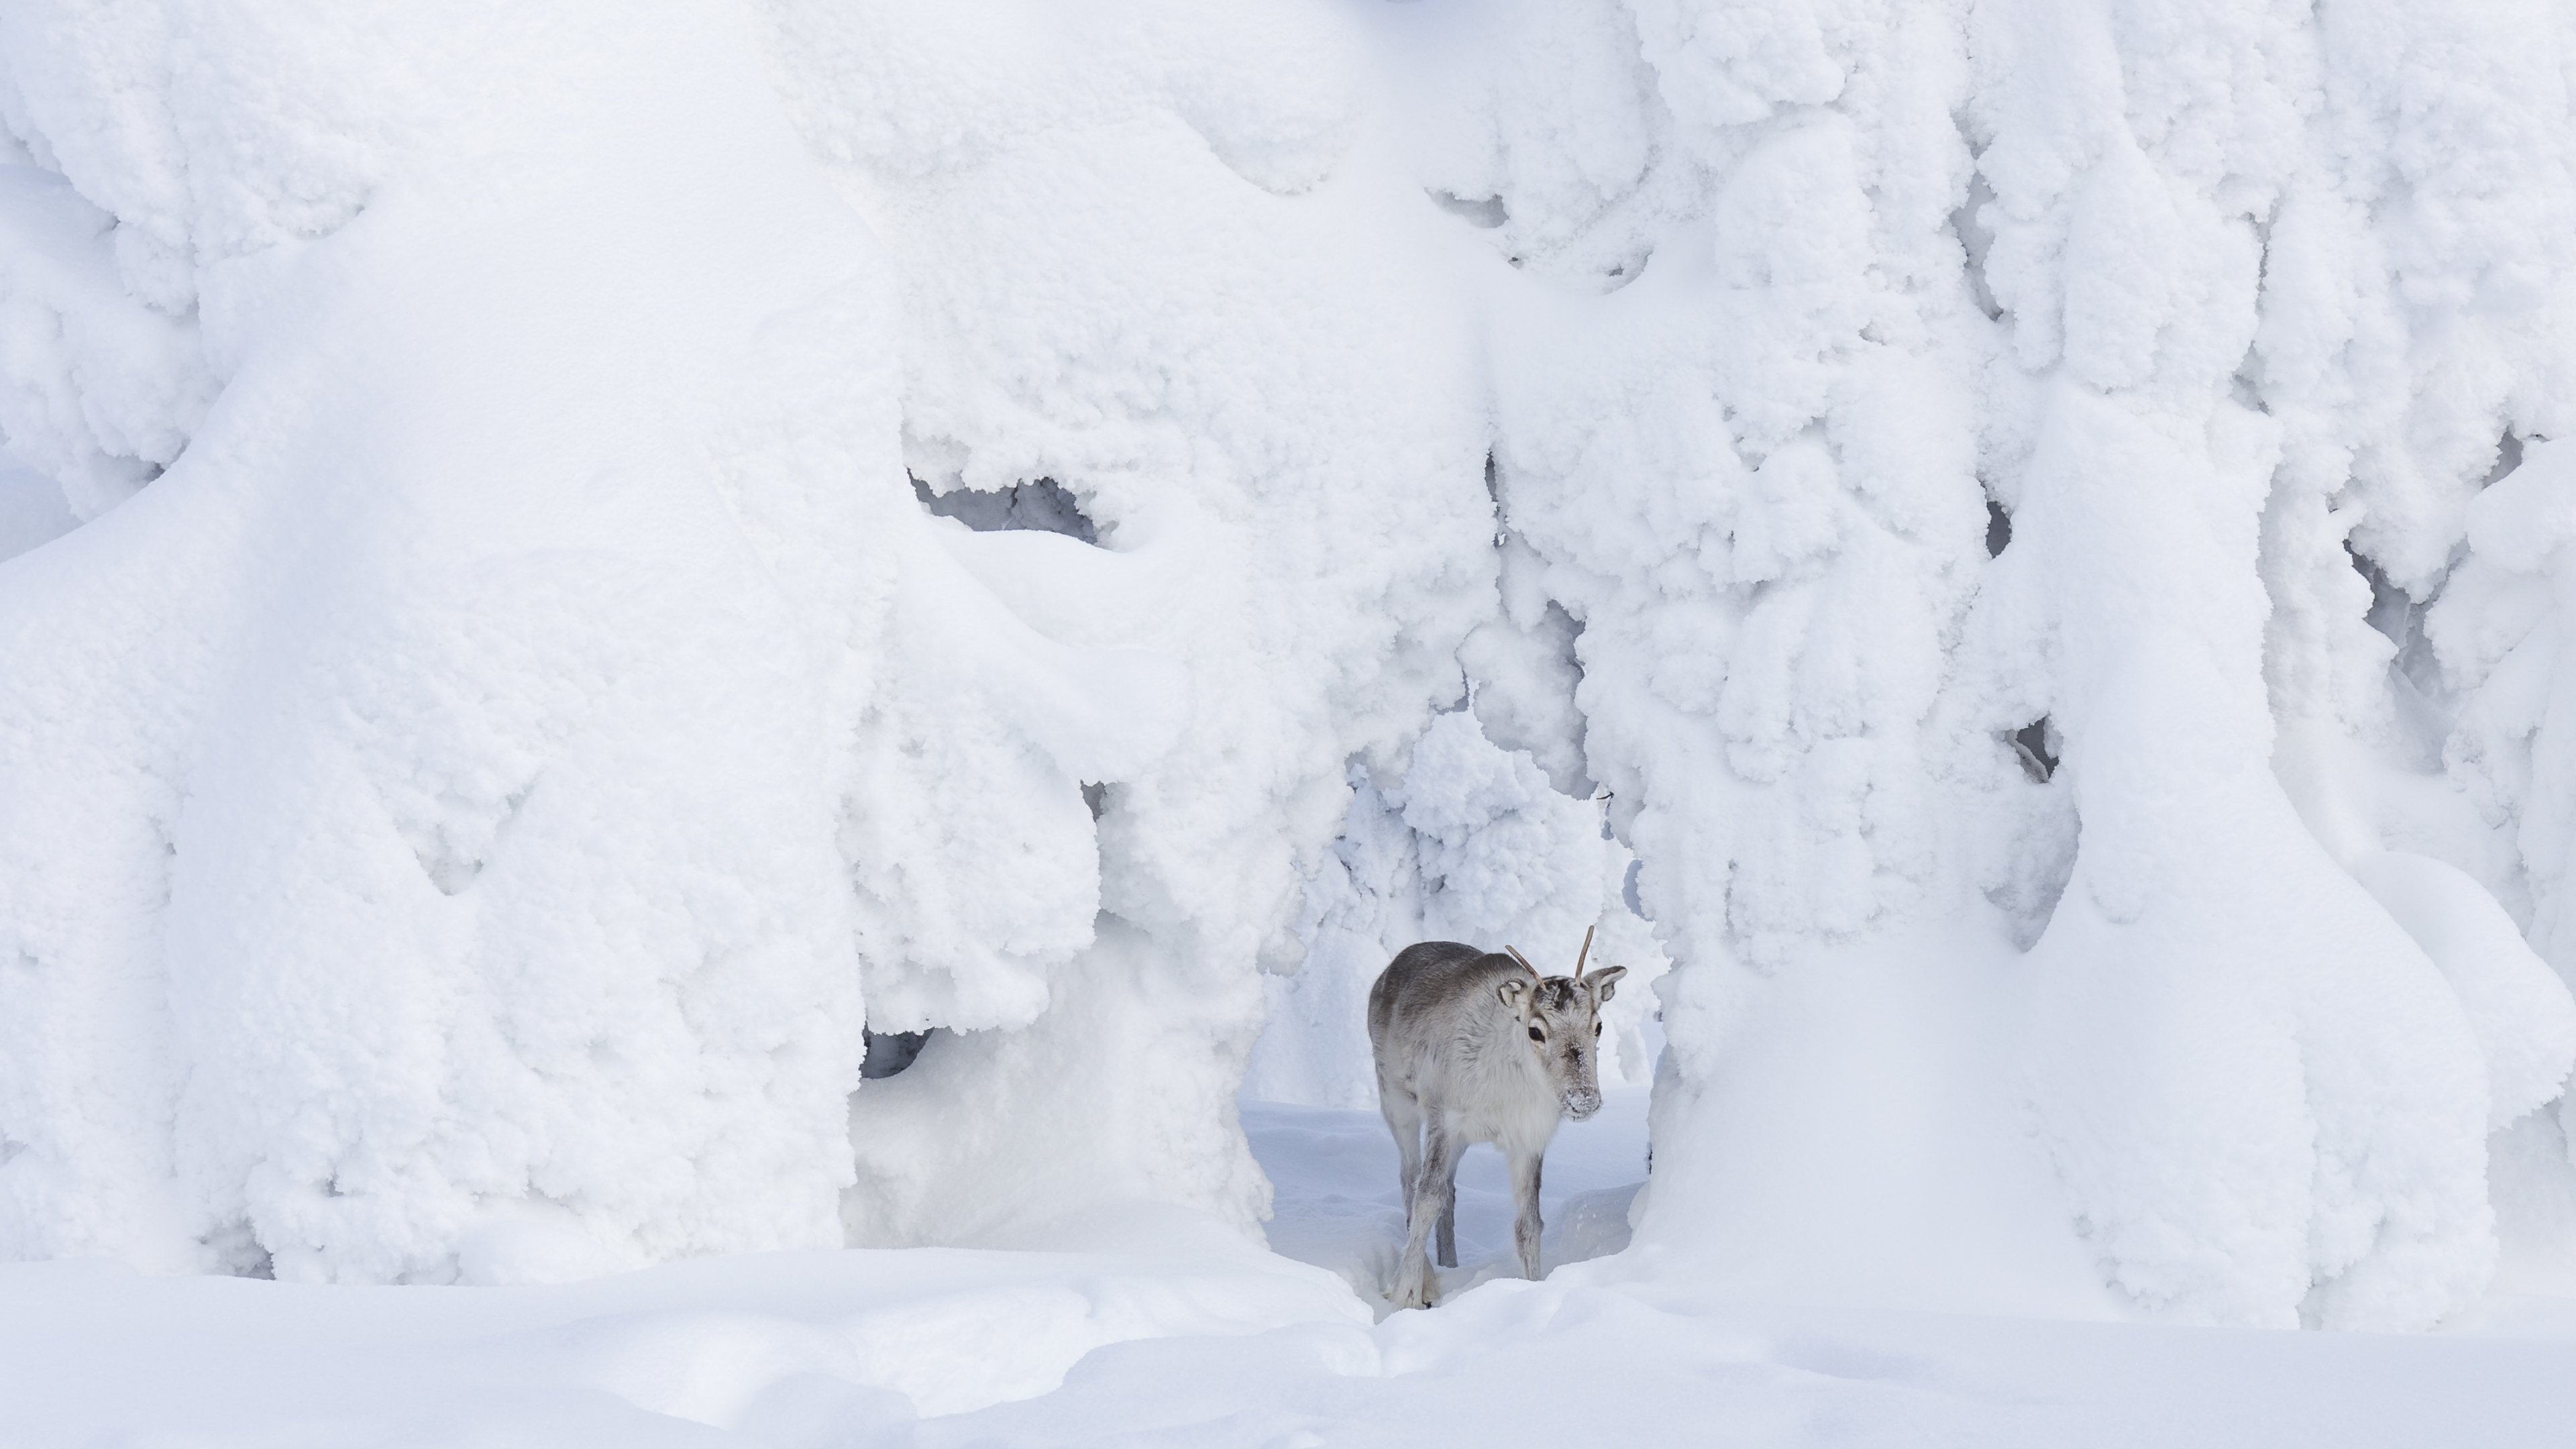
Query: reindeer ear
x: 1515, y: 994
x: 1603, y: 982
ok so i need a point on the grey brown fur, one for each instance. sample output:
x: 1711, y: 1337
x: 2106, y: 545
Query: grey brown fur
x: 1451, y: 1027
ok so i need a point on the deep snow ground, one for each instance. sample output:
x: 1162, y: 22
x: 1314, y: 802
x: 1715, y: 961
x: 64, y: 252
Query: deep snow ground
x: 1160, y: 1328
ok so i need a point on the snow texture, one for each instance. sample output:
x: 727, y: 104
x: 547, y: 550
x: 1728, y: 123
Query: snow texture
x: 561, y: 567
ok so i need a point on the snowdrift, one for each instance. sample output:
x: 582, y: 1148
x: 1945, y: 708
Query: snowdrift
x: 568, y: 567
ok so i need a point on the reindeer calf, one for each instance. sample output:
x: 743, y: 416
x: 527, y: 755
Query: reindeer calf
x: 1473, y: 1046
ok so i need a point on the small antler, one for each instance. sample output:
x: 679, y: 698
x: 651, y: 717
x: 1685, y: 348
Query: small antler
x: 1585, y: 953
x: 1524, y: 960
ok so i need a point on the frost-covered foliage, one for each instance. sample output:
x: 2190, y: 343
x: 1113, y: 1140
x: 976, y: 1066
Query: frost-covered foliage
x: 2278, y: 281
x: 1125, y: 271
x: 415, y: 820
x: 1469, y: 843
x: 2178, y: 312
x: 670, y: 537
x: 492, y: 776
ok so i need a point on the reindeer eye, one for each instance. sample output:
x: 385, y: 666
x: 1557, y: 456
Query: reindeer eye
x: 1537, y: 1035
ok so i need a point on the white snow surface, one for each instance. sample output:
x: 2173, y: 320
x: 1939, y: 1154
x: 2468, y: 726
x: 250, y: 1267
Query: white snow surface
x: 1161, y: 1326
x: 561, y: 566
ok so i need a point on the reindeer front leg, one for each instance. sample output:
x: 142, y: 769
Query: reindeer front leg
x: 1449, y: 1214
x: 1433, y: 1183
x: 1525, y: 1225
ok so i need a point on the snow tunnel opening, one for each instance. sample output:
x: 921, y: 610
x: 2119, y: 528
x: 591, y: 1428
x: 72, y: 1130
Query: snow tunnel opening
x: 1041, y: 505
x: 890, y: 1053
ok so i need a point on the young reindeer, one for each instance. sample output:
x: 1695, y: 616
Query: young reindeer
x: 1474, y: 1046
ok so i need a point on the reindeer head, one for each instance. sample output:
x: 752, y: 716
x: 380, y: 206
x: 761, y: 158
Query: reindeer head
x: 1562, y: 1020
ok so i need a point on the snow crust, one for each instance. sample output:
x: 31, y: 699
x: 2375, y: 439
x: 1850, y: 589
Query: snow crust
x: 566, y: 564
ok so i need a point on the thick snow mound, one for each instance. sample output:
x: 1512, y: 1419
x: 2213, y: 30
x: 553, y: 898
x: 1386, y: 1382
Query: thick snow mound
x: 414, y: 806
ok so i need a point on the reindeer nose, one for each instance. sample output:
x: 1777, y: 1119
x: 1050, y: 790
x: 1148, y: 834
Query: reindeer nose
x: 1581, y: 1104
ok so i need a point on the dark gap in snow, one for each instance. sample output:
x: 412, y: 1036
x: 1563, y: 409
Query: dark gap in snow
x: 1095, y: 796
x: 2414, y: 674
x: 1494, y: 493
x: 890, y: 1052
x: 239, y: 1253
x: 1483, y: 212
x: 1628, y: 269
x: 1564, y: 632
x: 1998, y: 529
x: 2030, y: 744
x: 1628, y: 888
x: 1041, y: 506
x: 2391, y: 608
x: 1975, y: 240
x: 2508, y: 458
x: 2246, y: 387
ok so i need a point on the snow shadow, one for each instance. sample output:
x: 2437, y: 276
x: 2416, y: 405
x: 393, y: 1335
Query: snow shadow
x: 1336, y: 1202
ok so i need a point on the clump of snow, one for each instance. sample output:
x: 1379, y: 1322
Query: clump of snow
x: 414, y: 790
x: 2520, y: 1013
x: 98, y: 391
x: 2499, y: 629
